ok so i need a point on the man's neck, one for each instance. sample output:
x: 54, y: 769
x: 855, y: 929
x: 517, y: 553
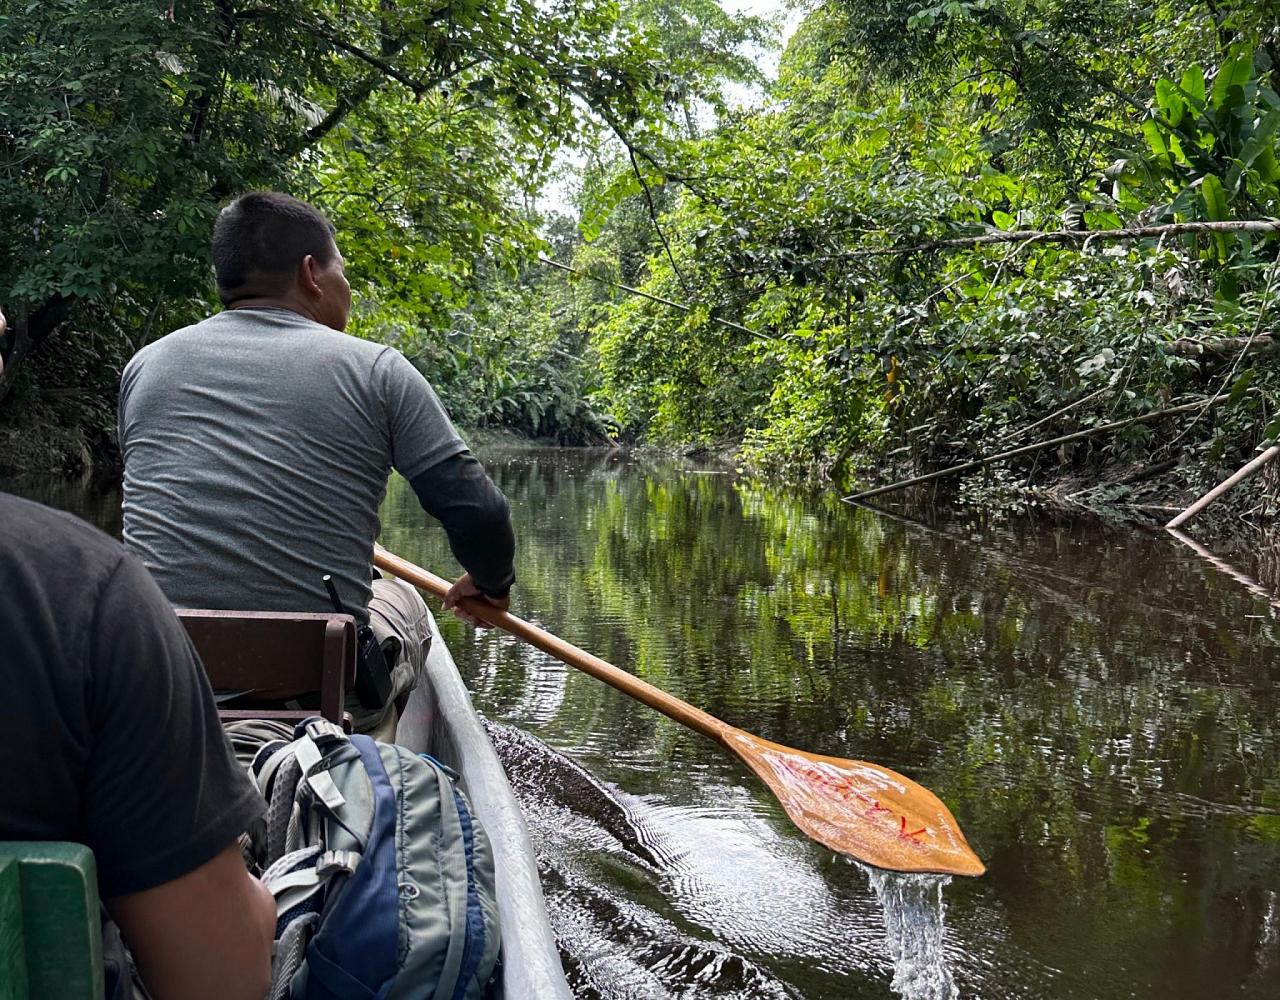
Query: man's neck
x: 286, y: 302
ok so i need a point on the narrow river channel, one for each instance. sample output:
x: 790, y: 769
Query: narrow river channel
x: 1100, y: 709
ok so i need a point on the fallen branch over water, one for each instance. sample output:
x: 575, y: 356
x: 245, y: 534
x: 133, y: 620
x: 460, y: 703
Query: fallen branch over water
x: 1239, y: 476
x: 978, y: 463
x: 1250, y: 584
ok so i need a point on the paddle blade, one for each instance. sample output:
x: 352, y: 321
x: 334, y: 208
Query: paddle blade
x: 873, y: 814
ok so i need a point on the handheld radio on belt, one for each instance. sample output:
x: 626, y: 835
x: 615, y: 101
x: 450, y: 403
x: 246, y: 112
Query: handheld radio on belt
x: 373, y: 674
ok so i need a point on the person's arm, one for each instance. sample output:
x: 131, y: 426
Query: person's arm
x: 165, y: 802
x: 475, y: 516
x: 205, y: 935
x: 450, y: 484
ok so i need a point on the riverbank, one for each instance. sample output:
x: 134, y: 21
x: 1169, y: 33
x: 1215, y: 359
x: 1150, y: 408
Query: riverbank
x: 70, y: 434
x: 1149, y: 492
x: 55, y: 437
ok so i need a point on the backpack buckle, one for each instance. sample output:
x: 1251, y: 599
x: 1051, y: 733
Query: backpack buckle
x: 332, y: 863
x: 322, y: 731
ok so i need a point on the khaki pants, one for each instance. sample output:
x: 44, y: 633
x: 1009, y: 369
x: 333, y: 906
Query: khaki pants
x: 395, y: 609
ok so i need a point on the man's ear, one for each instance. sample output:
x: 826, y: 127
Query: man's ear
x: 307, y: 276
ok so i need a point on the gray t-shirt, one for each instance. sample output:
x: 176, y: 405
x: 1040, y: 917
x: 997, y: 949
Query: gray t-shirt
x: 257, y: 446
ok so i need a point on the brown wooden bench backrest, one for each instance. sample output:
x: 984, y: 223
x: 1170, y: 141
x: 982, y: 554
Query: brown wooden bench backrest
x: 277, y: 655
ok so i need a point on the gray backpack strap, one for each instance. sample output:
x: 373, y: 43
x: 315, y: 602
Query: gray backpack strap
x: 280, y: 810
x: 454, y: 873
x: 290, y: 949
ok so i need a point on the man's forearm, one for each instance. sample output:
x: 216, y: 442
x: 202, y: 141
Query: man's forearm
x: 476, y: 517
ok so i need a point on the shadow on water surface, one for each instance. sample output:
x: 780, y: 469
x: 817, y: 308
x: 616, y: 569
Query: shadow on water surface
x: 1097, y: 706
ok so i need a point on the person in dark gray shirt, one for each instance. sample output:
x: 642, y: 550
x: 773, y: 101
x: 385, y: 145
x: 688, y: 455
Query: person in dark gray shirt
x: 109, y: 737
x: 257, y: 446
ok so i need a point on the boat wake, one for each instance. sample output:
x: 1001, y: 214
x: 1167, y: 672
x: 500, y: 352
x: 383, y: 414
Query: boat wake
x: 535, y: 770
x: 615, y: 947
x: 652, y: 898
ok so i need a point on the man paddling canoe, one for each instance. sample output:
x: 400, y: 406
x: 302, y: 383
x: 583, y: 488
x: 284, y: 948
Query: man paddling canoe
x: 257, y: 446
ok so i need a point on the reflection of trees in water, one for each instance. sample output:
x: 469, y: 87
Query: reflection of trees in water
x: 98, y: 502
x: 1098, y: 711
x: 1269, y: 562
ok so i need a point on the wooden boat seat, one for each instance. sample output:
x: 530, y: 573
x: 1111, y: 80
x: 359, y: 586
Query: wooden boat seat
x: 276, y: 656
x: 50, y: 929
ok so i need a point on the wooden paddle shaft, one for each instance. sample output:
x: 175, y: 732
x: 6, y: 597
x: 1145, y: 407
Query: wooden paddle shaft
x: 876, y: 815
x: 672, y: 707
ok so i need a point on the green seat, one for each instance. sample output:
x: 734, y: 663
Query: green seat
x: 50, y: 929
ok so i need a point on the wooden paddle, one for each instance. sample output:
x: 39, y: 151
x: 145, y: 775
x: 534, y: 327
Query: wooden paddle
x: 869, y: 812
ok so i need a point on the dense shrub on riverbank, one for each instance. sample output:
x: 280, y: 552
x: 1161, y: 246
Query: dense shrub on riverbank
x: 900, y: 126
x: 423, y: 132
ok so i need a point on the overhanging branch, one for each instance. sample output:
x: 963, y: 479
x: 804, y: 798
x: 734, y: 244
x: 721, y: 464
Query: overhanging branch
x: 1268, y: 227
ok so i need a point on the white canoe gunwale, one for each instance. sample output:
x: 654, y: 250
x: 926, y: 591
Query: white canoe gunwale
x: 440, y: 720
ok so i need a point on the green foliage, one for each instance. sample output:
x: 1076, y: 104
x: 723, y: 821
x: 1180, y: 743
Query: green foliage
x: 123, y: 127
x: 426, y: 133
x: 896, y: 125
x: 519, y: 357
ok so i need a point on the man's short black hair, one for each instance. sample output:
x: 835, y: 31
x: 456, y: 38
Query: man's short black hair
x: 259, y: 240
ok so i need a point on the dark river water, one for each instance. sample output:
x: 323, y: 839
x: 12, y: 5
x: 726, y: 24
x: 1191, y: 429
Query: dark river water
x: 1100, y: 708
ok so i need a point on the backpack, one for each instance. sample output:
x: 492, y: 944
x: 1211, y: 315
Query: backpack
x: 383, y: 878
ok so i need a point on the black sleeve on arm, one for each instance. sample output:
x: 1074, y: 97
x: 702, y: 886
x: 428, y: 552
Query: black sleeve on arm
x: 457, y: 492
x: 163, y: 793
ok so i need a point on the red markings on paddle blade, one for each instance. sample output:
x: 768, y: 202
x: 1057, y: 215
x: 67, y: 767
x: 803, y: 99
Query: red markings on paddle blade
x: 869, y: 812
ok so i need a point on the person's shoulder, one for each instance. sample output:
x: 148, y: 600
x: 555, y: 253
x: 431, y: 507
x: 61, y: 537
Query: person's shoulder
x: 370, y: 351
x: 365, y: 360
x: 32, y: 530
x: 391, y: 362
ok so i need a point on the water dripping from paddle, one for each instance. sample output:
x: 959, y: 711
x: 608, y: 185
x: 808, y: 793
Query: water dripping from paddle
x: 914, y: 924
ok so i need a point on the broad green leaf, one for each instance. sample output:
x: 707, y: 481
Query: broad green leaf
x: 1170, y: 101
x: 1215, y: 198
x: 1262, y: 139
x: 1193, y: 82
x: 1240, y: 386
x: 1155, y: 139
x: 1235, y: 72
x: 1228, y: 284
x: 1266, y: 166
x: 1004, y: 220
